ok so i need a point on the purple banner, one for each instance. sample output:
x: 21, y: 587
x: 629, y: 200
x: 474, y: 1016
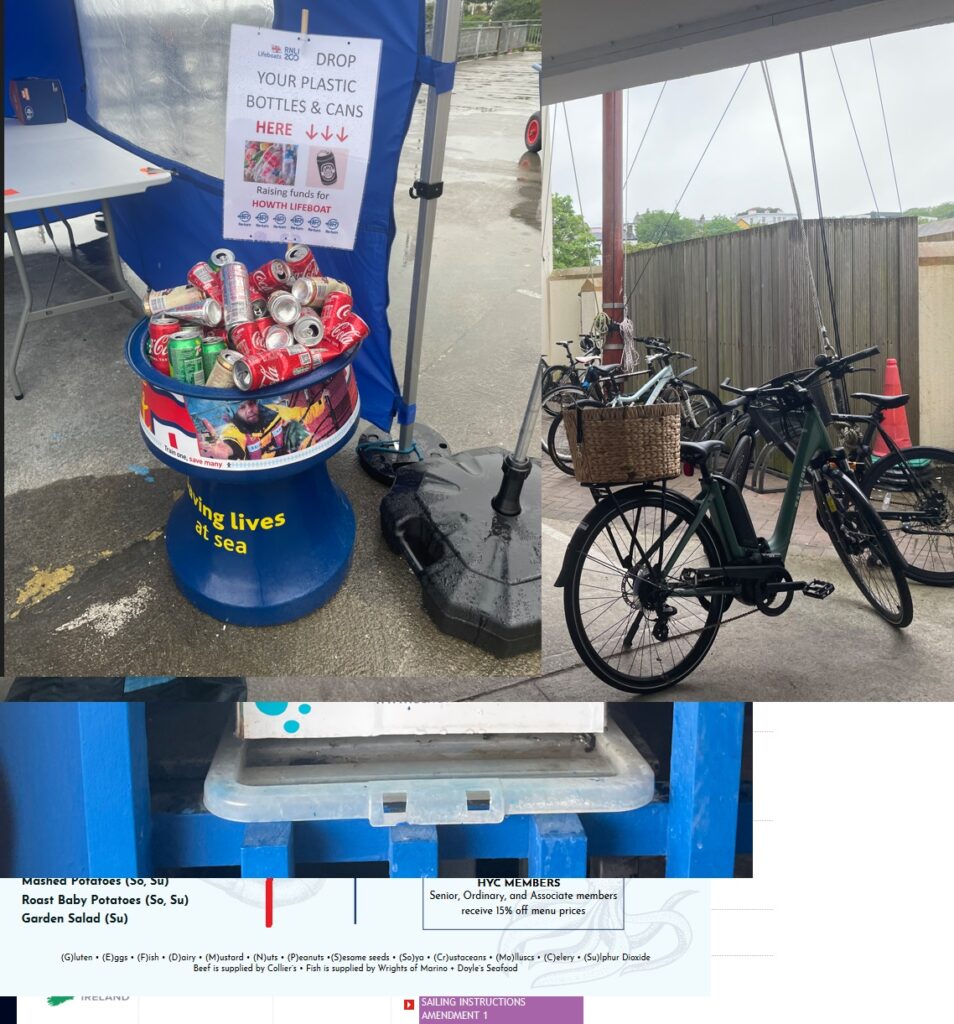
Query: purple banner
x: 502, y: 1009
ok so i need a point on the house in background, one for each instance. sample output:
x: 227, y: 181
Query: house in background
x: 756, y: 216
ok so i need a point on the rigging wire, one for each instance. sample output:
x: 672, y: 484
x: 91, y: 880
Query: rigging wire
x: 675, y: 210
x: 822, y: 330
x: 645, y: 133
x: 821, y: 214
x: 884, y: 121
x: 851, y: 118
x: 569, y: 139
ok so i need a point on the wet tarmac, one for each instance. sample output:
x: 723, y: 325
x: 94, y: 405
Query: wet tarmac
x: 87, y: 587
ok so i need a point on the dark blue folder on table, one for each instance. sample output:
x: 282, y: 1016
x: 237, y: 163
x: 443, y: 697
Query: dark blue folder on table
x: 38, y: 100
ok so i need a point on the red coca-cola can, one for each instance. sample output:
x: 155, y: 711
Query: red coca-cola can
x: 259, y: 305
x: 336, y: 309
x: 247, y: 339
x: 263, y: 323
x: 273, y: 366
x: 160, y: 327
x: 301, y: 261
x: 270, y: 276
x: 206, y: 280
x: 350, y: 332
x: 217, y: 332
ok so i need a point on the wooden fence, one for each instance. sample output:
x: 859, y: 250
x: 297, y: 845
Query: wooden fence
x: 741, y: 302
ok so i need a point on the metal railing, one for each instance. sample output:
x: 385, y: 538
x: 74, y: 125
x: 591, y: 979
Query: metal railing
x: 495, y: 38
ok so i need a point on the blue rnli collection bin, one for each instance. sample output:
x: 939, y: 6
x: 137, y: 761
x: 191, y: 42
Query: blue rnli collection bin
x: 261, y: 535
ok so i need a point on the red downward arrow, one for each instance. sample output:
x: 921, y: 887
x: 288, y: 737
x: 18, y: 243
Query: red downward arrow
x: 341, y: 135
x: 311, y: 134
x: 327, y: 133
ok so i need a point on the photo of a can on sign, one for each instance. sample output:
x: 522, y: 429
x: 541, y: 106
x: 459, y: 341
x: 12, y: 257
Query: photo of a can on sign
x: 299, y: 118
x: 327, y: 168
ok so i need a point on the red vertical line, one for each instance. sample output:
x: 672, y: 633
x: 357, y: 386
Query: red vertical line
x: 269, y: 901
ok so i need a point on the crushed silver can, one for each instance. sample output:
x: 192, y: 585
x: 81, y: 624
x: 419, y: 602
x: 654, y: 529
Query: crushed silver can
x: 308, y: 328
x: 278, y: 336
x: 283, y: 308
x: 222, y: 374
x: 220, y: 257
x: 208, y: 313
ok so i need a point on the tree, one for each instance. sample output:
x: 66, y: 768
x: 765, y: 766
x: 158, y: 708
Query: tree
x: 659, y: 227
x: 941, y: 211
x: 574, y: 244
x: 720, y: 225
x: 516, y: 10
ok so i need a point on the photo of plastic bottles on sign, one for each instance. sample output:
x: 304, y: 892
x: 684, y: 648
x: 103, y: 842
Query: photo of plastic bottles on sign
x: 299, y: 116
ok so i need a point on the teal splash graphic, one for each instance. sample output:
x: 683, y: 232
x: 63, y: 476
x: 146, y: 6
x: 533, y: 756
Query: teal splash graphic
x: 277, y: 708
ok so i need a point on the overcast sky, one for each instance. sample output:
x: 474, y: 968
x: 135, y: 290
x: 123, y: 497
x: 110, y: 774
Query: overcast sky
x: 744, y: 166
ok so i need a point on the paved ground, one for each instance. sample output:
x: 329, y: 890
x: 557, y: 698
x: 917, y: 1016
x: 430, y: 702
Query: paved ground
x: 88, y: 590
x: 837, y: 649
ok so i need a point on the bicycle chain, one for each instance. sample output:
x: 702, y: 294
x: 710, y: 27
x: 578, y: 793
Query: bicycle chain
x: 702, y: 629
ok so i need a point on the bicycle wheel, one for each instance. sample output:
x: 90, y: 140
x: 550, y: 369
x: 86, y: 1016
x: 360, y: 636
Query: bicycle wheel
x: 558, y: 447
x: 553, y: 377
x: 560, y: 397
x: 913, y: 492
x: 704, y: 406
x: 864, y: 546
x: 693, y: 411
x: 554, y: 400
x: 625, y: 624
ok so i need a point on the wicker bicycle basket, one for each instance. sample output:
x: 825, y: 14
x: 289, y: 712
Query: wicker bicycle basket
x: 625, y: 444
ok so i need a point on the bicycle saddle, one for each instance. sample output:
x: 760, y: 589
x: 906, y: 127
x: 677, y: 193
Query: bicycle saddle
x: 696, y: 453
x: 566, y: 345
x: 883, y: 401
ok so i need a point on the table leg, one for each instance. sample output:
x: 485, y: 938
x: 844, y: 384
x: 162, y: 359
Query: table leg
x: 114, y: 255
x: 46, y: 224
x: 27, y: 308
x: 66, y: 224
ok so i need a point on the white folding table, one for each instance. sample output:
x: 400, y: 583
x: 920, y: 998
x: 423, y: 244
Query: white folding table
x: 52, y: 165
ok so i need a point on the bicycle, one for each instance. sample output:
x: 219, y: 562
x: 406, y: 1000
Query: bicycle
x: 911, y: 489
x: 649, y: 572
x: 564, y: 374
x: 666, y: 385
x: 601, y: 385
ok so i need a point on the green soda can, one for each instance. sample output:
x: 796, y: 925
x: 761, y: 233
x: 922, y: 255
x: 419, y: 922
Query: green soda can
x: 185, y: 356
x: 211, y: 347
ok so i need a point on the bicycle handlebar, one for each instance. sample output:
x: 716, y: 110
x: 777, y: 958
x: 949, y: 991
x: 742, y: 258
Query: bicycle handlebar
x: 796, y: 380
x: 824, y: 360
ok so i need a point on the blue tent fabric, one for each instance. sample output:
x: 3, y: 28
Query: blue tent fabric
x: 166, y: 230
x: 41, y: 40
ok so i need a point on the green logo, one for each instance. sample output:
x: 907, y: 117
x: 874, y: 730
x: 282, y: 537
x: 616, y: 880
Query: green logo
x: 57, y: 1000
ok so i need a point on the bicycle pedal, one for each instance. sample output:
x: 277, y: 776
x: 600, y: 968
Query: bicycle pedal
x: 819, y: 589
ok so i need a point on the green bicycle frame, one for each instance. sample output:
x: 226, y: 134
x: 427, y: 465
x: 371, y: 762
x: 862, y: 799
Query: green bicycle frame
x: 814, y: 439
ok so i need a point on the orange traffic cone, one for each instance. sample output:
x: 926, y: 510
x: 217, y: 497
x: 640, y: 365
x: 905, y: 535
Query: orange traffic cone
x: 895, y: 422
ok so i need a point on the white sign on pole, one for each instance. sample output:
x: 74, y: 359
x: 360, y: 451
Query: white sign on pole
x: 298, y: 133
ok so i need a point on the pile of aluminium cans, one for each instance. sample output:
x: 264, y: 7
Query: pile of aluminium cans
x: 229, y: 327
